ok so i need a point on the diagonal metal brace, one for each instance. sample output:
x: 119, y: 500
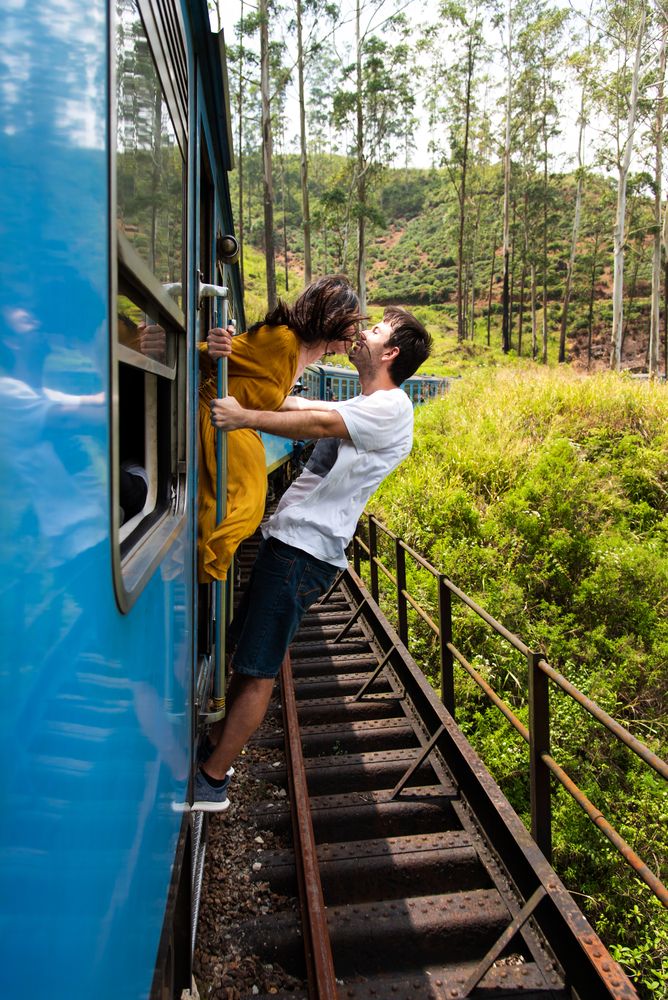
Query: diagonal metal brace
x: 349, y: 624
x: 371, y: 679
x: 504, y: 940
x: 417, y: 762
x: 323, y: 600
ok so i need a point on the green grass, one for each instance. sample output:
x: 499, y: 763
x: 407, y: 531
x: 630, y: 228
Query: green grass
x: 545, y: 497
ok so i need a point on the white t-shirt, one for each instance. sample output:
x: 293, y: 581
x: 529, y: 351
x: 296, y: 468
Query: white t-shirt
x: 320, y: 511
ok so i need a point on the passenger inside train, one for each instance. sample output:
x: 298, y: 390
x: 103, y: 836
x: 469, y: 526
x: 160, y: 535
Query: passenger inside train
x: 360, y: 442
x: 264, y: 365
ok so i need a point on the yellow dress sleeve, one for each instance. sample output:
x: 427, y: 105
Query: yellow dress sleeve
x: 260, y: 371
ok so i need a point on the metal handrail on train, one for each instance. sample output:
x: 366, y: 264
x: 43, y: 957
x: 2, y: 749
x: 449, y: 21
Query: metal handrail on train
x: 539, y: 673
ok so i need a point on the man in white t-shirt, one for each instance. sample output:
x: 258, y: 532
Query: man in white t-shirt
x: 360, y: 442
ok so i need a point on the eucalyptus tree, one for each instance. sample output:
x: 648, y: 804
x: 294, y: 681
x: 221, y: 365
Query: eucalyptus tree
x: 322, y: 85
x: 369, y: 104
x: 243, y: 62
x: 617, y: 95
x: 525, y: 139
x: 267, y: 164
x: 657, y: 138
x: 505, y: 323
x: 539, y: 46
x: 457, y: 47
x: 315, y: 11
x: 584, y: 64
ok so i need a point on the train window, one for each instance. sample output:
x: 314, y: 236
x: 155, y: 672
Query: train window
x: 344, y: 388
x: 149, y: 359
x: 149, y: 161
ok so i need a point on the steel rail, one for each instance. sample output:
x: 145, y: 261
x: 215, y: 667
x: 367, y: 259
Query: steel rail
x: 491, y: 694
x: 594, y: 814
x: 365, y: 547
x: 638, y: 747
x: 384, y: 528
x: 385, y: 570
x: 599, y: 820
x: 622, y: 734
x: 317, y: 947
x: 606, y: 720
x: 497, y: 626
x: 422, y: 613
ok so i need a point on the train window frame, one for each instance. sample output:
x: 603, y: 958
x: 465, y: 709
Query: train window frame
x: 139, y: 546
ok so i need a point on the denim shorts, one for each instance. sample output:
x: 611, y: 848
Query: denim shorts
x: 283, y: 584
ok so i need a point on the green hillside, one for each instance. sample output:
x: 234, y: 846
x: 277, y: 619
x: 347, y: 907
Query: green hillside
x: 412, y: 261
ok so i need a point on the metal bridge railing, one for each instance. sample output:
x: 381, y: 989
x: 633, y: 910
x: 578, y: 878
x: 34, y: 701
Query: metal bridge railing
x: 540, y: 673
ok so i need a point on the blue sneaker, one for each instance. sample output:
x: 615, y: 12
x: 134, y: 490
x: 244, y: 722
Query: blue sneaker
x: 205, y: 750
x: 208, y: 799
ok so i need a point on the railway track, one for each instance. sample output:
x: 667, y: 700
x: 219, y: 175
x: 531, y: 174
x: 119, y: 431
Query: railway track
x: 416, y: 878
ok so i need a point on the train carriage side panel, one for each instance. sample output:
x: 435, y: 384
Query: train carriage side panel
x: 96, y: 703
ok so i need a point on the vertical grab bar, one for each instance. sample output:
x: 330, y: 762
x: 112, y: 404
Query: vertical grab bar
x: 221, y: 510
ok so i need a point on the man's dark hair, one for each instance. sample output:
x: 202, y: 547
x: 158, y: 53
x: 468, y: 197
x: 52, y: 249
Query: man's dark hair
x: 325, y: 310
x: 413, y: 341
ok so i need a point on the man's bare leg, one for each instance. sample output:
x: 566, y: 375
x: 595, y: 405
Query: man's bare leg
x: 247, y: 707
x: 231, y: 690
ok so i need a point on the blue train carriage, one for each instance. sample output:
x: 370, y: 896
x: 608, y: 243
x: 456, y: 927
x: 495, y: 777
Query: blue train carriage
x: 338, y: 382
x: 114, y: 196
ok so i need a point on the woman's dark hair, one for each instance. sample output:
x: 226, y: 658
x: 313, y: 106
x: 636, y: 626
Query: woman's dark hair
x: 324, y: 311
x: 412, y: 339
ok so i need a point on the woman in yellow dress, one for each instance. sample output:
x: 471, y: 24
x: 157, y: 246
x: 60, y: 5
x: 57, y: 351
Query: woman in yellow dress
x: 263, y: 366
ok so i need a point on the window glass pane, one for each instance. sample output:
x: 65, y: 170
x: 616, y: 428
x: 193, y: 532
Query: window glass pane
x: 141, y: 329
x: 149, y: 164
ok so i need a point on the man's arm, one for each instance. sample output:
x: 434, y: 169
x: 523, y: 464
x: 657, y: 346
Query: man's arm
x: 294, y: 423
x: 297, y: 403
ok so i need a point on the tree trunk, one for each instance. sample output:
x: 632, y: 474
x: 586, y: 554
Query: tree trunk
x: 544, y: 359
x: 361, y: 174
x: 461, y: 314
x: 406, y: 162
x: 591, y: 301
x: 665, y: 294
x: 475, y: 253
x: 155, y: 177
x: 491, y: 282
x: 618, y: 287
x: 505, y: 336
x: 632, y: 295
x: 267, y: 173
x: 512, y: 287
x: 655, y: 329
x: 285, y: 230
x: 521, y: 317
x: 241, y: 161
x: 465, y: 301
x: 534, y: 321
x: 574, y: 239
x: 306, y: 213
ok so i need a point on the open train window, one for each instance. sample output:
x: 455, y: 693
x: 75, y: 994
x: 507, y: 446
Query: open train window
x: 148, y: 286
